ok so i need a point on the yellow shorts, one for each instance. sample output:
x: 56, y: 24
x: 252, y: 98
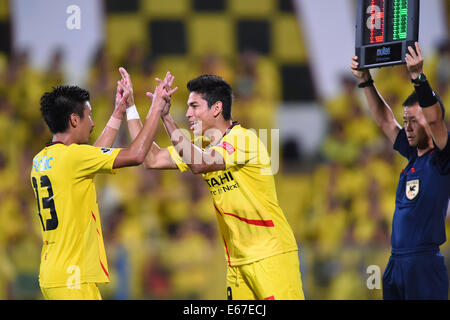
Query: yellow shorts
x: 276, y: 277
x: 86, y: 291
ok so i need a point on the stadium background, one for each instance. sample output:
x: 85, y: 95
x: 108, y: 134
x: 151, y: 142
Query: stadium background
x: 159, y: 226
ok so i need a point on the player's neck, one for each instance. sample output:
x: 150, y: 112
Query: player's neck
x: 222, y: 126
x: 65, y: 138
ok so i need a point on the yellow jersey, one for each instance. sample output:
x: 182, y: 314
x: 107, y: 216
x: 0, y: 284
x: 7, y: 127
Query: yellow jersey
x: 62, y: 178
x: 251, y: 222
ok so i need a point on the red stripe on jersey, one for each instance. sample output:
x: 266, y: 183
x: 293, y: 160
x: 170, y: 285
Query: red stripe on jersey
x: 93, y: 216
x: 270, y: 298
x: 218, y: 211
x: 104, y: 269
x: 226, y: 249
x: 262, y: 223
x: 224, y: 242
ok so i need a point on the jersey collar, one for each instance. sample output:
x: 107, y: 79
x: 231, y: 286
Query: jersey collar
x: 233, y: 124
x: 53, y: 143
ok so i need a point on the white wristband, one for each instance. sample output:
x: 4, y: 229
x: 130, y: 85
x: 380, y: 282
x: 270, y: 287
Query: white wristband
x: 132, y: 113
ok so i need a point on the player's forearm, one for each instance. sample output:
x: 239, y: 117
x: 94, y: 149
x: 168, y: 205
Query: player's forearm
x: 158, y: 158
x: 107, y: 138
x: 152, y: 160
x: 192, y: 155
x: 134, y: 127
x: 109, y: 134
x: 140, y: 146
x: 178, y: 139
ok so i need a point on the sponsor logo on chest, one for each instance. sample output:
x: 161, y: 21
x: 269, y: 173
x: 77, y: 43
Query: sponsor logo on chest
x: 221, y: 183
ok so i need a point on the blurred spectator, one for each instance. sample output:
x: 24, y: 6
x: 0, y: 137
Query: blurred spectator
x: 55, y: 72
x: 256, y: 88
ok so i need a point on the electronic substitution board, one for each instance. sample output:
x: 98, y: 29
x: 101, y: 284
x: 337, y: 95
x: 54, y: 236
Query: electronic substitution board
x: 384, y: 30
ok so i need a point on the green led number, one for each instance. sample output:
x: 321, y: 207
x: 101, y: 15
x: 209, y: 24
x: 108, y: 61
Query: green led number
x: 400, y: 20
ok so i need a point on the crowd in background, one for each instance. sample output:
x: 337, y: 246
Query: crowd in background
x: 160, y: 228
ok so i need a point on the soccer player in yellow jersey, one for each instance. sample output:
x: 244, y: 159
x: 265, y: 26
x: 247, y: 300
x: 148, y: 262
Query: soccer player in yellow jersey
x: 260, y: 248
x: 73, y: 259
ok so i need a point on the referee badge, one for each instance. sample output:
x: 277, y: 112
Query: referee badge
x: 412, y: 189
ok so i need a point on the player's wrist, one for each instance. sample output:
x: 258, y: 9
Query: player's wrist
x: 159, y: 106
x: 114, y: 123
x: 118, y: 114
x: 165, y: 116
x: 130, y: 103
x: 154, y: 111
x: 132, y: 113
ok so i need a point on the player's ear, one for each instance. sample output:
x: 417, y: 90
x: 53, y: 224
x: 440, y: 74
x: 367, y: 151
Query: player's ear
x: 74, y: 120
x: 217, y: 108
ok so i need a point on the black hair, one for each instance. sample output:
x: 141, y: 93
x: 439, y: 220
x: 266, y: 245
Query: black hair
x: 213, y: 89
x: 413, y: 99
x: 60, y: 103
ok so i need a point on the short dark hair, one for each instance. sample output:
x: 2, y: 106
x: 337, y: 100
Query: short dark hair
x: 413, y: 99
x: 60, y: 103
x: 213, y: 89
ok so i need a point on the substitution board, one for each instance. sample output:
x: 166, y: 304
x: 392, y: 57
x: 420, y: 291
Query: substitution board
x: 384, y: 30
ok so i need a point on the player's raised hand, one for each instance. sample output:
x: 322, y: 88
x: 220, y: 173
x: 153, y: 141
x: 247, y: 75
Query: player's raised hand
x: 362, y: 75
x: 161, y: 97
x: 120, y: 104
x: 168, y: 82
x: 127, y: 85
x: 164, y: 91
x: 414, y: 61
x: 122, y: 96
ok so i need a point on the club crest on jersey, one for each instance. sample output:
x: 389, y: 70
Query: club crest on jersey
x: 412, y: 189
x: 106, y: 150
x: 230, y: 149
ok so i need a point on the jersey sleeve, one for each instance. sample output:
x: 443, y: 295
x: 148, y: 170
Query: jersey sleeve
x: 443, y: 158
x: 401, y: 144
x: 242, y: 149
x: 87, y: 159
x: 177, y: 159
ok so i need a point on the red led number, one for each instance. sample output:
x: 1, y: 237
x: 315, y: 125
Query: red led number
x: 375, y: 22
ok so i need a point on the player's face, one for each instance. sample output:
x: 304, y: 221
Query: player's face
x: 87, y: 124
x: 415, y: 126
x: 199, y: 115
